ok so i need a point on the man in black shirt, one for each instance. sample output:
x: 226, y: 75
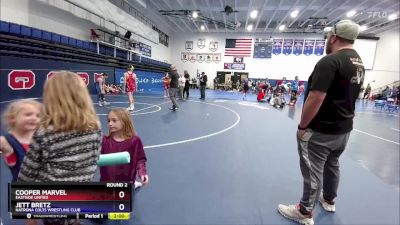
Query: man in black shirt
x: 367, y: 91
x: 187, y: 84
x: 173, y: 87
x: 327, y: 120
x: 203, y: 84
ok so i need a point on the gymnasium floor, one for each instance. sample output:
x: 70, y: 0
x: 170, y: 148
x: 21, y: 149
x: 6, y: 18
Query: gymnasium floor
x: 228, y: 161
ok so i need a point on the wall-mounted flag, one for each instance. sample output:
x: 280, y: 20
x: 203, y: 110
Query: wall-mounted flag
x: 201, y: 43
x: 238, y: 47
x: 208, y: 58
x: 287, y: 46
x: 184, y: 56
x: 189, y: 45
x: 213, y: 46
x: 192, y: 57
x: 200, y: 57
x: 319, y: 47
x: 277, y: 48
x: 298, y: 46
x: 308, y: 47
x: 217, y: 57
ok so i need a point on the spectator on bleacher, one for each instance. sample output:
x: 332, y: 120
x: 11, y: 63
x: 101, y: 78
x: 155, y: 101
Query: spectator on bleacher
x: 181, y: 85
x: 173, y: 87
x: 100, y: 89
x: 166, y: 85
x: 367, y: 91
x: 187, y: 84
x: 130, y: 86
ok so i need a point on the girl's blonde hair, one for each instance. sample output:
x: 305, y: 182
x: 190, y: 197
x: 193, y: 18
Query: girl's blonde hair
x: 15, y: 107
x: 67, y: 104
x: 128, y: 130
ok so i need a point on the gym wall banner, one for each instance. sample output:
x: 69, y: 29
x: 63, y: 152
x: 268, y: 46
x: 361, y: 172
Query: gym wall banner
x: 277, y: 47
x: 25, y: 77
x: 319, y: 47
x: 234, y: 66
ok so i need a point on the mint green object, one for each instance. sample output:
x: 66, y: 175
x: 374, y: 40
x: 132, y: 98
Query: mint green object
x: 114, y: 159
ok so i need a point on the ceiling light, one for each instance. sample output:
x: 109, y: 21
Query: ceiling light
x: 282, y: 27
x: 195, y: 14
x: 392, y: 16
x: 294, y: 13
x: 253, y: 14
x: 202, y: 27
x: 250, y: 27
x: 363, y: 28
x: 351, y: 13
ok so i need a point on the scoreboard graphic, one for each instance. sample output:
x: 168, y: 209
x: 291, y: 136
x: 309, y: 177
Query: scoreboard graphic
x: 262, y: 48
x: 70, y: 200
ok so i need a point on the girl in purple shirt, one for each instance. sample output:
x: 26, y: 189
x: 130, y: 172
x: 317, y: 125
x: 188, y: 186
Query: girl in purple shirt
x: 123, y: 137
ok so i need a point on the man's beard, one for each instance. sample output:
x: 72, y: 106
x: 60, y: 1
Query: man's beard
x: 328, y: 49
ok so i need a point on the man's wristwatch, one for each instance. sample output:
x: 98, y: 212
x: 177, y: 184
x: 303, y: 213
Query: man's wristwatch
x: 301, y: 128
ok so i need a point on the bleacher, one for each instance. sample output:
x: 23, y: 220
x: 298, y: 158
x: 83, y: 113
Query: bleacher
x: 24, y: 41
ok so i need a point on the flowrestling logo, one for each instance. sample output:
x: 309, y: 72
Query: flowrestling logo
x: 21, y: 79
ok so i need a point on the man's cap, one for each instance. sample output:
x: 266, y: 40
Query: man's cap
x: 346, y: 29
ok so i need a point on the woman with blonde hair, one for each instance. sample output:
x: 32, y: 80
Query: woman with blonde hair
x: 67, y: 144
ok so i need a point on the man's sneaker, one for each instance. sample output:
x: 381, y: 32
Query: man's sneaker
x: 100, y: 104
x: 328, y: 206
x: 173, y: 108
x: 293, y: 212
x: 130, y: 108
x: 106, y: 103
x: 138, y: 184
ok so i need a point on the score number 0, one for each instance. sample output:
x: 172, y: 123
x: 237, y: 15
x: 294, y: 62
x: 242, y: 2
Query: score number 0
x: 121, y: 195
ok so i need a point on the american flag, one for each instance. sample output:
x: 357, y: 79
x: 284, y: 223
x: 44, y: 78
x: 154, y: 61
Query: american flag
x: 238, y: 47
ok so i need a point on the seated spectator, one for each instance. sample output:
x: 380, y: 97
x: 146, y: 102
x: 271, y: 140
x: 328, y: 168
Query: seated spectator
x: 278, y: 99
x: 112, y: 89
x: 293, y: 98
x: 261, y: 95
